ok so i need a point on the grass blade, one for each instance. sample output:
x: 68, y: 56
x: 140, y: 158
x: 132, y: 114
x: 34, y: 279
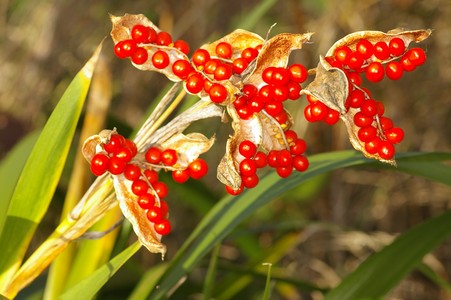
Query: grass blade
x: 382, y: 271
x: 41, y: 174
x: 211, y: 272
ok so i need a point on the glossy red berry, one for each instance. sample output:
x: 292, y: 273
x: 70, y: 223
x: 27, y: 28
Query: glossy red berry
x: 180, y: 176
x: 272, y: 158
x: 139, y: 187
x: 198, y: 168
x: 375, y: 72
x: 250, y: 181
x: 364, y: 48
x: 162, y: 227
x: 224, y: 50
x: 234, y: 192
x: 154, y: 214
x: 298, y: 73
x: 146, y: 201
x: 200, y: 57
x: 182, y: 46
x: 116, y: 165
x: 124, y: 49
x: 369, y: 108
x: 416, y: 56
x: 342, y: 55
x: 395, y: 135
x: 381, y: 50
x: 245, y: 112
x: 195, y: 83
x: 318, y: 111
x: 355, y: 61
x: 164, y: 38
x: 298, y: 147
x: 116, y: 142
x: 124, y: 153
x: 140, y: 56
x: 407, y: 65
x: 247, y: 167
x: 222, y: 72
x: 394, y: 70
x: 260, y: 159
x: 273, y: 108
x: 386, y: 123
x: 284, y: 158
x: 294, y: 90
x: 160, y: 189
x: 151, y: 176
x: 280, y: 76
x: 367, y: 133
x: 181, y: 68
x: 140, y: 33
x: 131, y: 146
x: 218, y: 93
x: 249, y: 54
x: 153, y: 155
x: 373, y: 146
x: 280, y: 93
x: 386, y: 150
x: 396, y: 46
x: 132, y: 172
x: 332, y: 117
x: 99, y: 164
x: 284, y: 172
x: 169, y: 157
x: 300, y: 163
x: 267, y: 74
x: 354, y: 78
x: 160, y: 59
x: 239, y: 65
x: 247, y: 148
x: 362, y: 120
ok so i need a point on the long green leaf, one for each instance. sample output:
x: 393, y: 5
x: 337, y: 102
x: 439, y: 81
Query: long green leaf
x: 40, y: 176
x: 228, y: 213
x: 383, y: 270
x: 89, y: 287
x: 10, y: 168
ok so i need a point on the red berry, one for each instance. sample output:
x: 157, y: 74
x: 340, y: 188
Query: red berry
x: 364, y: 48
x: 233, y: 192
x: 266, y: 92
x: 146, y: 201
x: 153, y: 155
x: 129, y: 144
x: 239, y: 65
x: 124, y: 153
x: 284, y: 172
x: 381, y: 50
x: 164, y: 38
x: 373, y: 146
x: 355, y: 98
x: 200, y: 57
x: 180, y: 176
x: 396, y: 46
x: 318, y: 111
x: 308, y: 113
x: 207, y: 85
x: 152, y: 36
x: 300, y: 163
x: 260, y: 159
x: 247, y: 148
x: 395, y: 135
x: 250, y: 181
x: 245, y: 112
x: 342, y: 55
x: 332, y: 117
x: 160, y: 59
x: 281, y: 118
x: 249, y: 54
x: 99, y: 164
x: 386, y: 123
x: 280, y: 93
x: 369, y: 108
x: 164, y: 207
x: 160, y: 188
x: 198, y: 168
x: 256, y: 104
x: 272, y: 158
x: 298, y: 73
x: 218, y: 93
x: 354, y: 78
x: 416, y: 56
x: 224, y: 50
x: 140, y: 33
x: 273, y: 108
x: 154, y: 214
x: 195, y: 83
x: 140, y: 56
x: 181, y: 68
x: 362, y: 120
x: 280, y: 76
x: 250, y: 90
x: 284, y: 158
x: 169, y: 157
x: 151, y: 176
x: 367, y: 133
x: 223, y: 72
x: 162, y: 227
x: 124, y: 49
x: 299, y: 147
x: 375, y: 72
x: 394, y: 70
x: 139, y: 187
x: 355, y: 61
x: 211, y: 65
x: 247, y: 167
x: 407, y: 65
x: 116, y: 142
x: 116, y: 166
x: 290, y: 136
x: 293, y: 90
x: 182, y: 46
x: 132, y: 172
x: 386, y: 150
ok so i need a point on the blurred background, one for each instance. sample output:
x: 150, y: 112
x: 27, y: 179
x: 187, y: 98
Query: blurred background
x: 343, y: 216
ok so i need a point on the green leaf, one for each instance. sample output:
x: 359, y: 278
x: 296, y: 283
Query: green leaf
x: 384, y: 270
x: 89, y: 287
x: 229, y: 212
x: 40, y: 176
x: 10, y: 168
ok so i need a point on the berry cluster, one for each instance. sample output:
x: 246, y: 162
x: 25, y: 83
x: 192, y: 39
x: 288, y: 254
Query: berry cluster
x: 280, y: 85
x: 283, y: 161
x: 375, y: 130
x: 117, y: 157
x: 142, y: 36
x: 317, y: 111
